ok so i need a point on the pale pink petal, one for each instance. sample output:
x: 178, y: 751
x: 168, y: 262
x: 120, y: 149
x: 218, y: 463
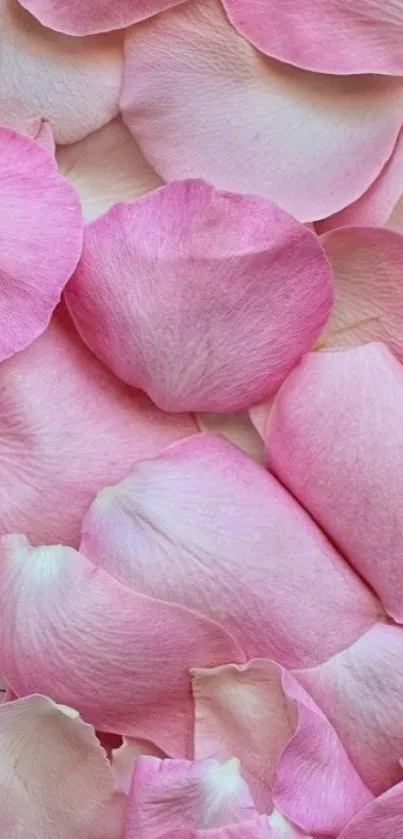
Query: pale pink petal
x: 125, y: 757
x: 88, y: 16
x: 166, y: 282
x: 43, y: 135
x: 74, y: 83
x: 54, y: 777
x: 202, y: 102
x: 106, y: 167
x: 40, y: 240
x: 284, y: 829
x: 202, y: 511
x: 67, y: 428
x: 334, y: 437
x: 382, y: 819
x: 238, y: 429
x: 288, y: 750
x: 69, y: 630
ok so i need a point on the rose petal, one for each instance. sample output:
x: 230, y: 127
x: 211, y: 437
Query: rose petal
x: 182, y: 271
x: 340, y: 452
x: 202, y: 102
x: 381, y: 819
x: 72, y: 82
x: 106, y: 167
x: 125, y: 757
x: 102, y: 16
x: 67, y: 427
x: 54, y: 780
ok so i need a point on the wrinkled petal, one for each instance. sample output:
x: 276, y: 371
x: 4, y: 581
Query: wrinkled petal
x: 340, y: 452
x: 166, y: 282
x: 202, y: 511
x: 74, y: 83
x: 381, y: 819
x: 54, y: 778
x: 84, y: 18
x: 125, y: 757
x: 40, y: 240
x: 238, y: 429
x: 202, y: 102
x: 67, y: 428
x: 105, y: 168
x: 259, y: 713
x: 69, y: 630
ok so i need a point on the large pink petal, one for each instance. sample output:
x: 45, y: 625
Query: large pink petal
x: 259, y: 713
x: 382, y: 819
x: 166, y: 282
x: 73, y: 82
x: 360, y: 691
x: 54, y: 777
x: 40, y: 240
x: 67, y: 428
x: 106, y: 167
x: 202, y: 102
x: 332, y: 36
x: 69, y: 630
x: 84, y: 18
x: 340, y: 451
x: 203, y: 511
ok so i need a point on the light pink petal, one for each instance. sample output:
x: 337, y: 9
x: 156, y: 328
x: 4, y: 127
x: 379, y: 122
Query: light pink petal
x: 166, y: 282
x: 202, y: 511
x: 202, y: 102
x: 381, y: 819
x: 284, y: 829
x: 84, y: 18
x: 340, y: 452
x: 360, y: 692
x: 54, y: 777
x: 74, y: 83
x: 40, y: 240
x: 238, y: 429
x: 124, y: 758
x: 43, y: 135
x: 106, y: 167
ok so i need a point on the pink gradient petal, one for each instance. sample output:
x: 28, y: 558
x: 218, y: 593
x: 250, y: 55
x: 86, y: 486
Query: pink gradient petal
x: 67, y: 428
x: 69, y: 630
x: 54, y: 778
x: 85, y: 18
x: 74, y: 83
x: 202, y: 102
x: 238, y: 429
x: 288, y: 750
x: 106, y: 167
x: 201, y: 511
x: 40, y: 240
x: 340, y: 452
x: 125, y: 757
x: 382, y: 819
x: 166, y: 282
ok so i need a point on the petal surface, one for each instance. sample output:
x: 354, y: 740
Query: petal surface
x: 181, y: 272
x: 381, y: 819
x: 41, y: 233
x: 74, y: 83
x: 203, y: 510
x: 57, y: 452
x: 310, y: 143
x: 54, y: 778
x: 340, y: 452
x: 99, y: 16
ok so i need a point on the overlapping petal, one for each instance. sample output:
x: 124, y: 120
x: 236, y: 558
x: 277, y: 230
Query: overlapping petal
x: 100, y: 16
x: 202, y: 102
x: 381, y: 819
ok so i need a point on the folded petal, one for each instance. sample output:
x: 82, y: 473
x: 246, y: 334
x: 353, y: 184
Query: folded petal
x: 182, y: 271
x: 57, y: 452
x: 74, y: 83
x: 102, y: 16
x: 202, y: 102
x: 106, y: 167
x: 203, y: 511
x: 69, y: 630
x: 54, y: 777
x: 381, y: 819
x: 124, y: 758
x: 340, y: 452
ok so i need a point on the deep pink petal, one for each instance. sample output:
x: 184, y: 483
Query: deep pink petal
x: 202, y: 102
x: 381, y: 819
x: 84, y: 18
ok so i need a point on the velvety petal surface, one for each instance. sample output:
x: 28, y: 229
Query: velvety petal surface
x: 202, y: 102
x: 77, y: 18
x: 340, y: 452
x: 67, y: 428
x: 54, y: 777
x: 166, y: 282
x: 381, y: 819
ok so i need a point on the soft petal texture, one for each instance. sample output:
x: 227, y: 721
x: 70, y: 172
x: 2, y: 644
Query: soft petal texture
x: 88, y: 16
x: 381, y: 819
x: 125, y: 757
x: 288, y: 750
x: 69, y: 630
x: 41, y: 233
x: 105, y: 168
x: 340, y: 452
x: 54, y: 777
x: 360, y: 692
x: 202, y: 102
x: 164, y: 284
x: 74, y: 83
x: 203, y: 510
x: 238, y: 429
x: 67, y: 428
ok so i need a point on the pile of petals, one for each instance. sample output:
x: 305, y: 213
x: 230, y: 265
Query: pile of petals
x: 201, y: 414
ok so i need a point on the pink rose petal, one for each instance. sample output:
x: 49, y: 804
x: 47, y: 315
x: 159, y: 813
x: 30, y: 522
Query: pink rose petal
x: 382, y: 819
x: 202, y: 102
x: 88, y: 16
